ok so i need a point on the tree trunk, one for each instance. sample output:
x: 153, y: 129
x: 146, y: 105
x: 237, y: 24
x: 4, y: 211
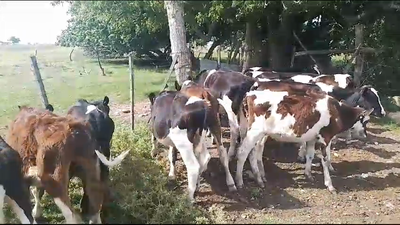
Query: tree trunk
x: 177, y: 36
x: 359, y: 62
x: 251, y: 45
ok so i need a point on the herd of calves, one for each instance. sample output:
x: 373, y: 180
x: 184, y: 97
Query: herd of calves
x: 44, y: 150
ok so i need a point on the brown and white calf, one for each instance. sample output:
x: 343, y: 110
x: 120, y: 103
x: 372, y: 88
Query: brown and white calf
x: 179, y: 120
x: 50, y: 145
x: 294, y: 118
x: 14, y: 187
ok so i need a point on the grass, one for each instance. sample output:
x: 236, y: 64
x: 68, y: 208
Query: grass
x: 66, y: 81
x: 140, y: 182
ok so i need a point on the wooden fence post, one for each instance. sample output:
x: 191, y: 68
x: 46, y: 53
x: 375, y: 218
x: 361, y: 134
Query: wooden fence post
x: 359, y: 33
x: 36, y: 72
x: 132, y: 79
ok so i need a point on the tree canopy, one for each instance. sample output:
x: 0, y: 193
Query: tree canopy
x: 14, y: 40
x: 114, y: 28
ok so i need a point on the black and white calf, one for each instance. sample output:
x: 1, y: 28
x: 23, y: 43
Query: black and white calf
x: 97, y: 114
x: 181, y: 121
x: 14, y: 187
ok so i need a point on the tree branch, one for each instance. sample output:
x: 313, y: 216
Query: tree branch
x: 70, y: 54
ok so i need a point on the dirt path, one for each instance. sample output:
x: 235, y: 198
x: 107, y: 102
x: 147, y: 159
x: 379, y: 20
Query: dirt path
x: 366, y: 178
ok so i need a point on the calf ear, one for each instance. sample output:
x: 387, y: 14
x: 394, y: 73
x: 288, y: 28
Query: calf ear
x: 177, y: 86
x: 106, y: 100
x: 151, y: 97
x: 364, y: 89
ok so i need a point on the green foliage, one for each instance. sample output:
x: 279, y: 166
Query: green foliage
x: 14, y: 40
x: 114, y: 28
x: 142, y: 185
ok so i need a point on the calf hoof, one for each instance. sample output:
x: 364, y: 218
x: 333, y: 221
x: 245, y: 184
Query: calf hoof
x: 264, y: 179
x: 232, y: 188
x: 301, y: 159
x: 332, y: 190
x: 310, y: 178
x: 261, y: 184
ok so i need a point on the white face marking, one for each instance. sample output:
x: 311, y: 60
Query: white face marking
x: 193, y: 99
x: 90, y: 108
x: 2, y: 196
x: 255, y: 74
x: 379, y: 101
x: 325, y: 87
x: 66, y: 211
x: 341, y: 79
x: 305, y: 79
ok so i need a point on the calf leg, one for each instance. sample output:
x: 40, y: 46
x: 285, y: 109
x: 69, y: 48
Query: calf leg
x: 242, y: 125
x: 210, y: 136
x: 185, y: 148
x: 310, y: 151
x: 233, y: 124
x: 325, y: 166
x: 154, y: 143
x: 328, y: 157
x: 253, y: 136
x: 302, y: 153
x: 223, y: 157
x: 2, y: 196
x: 37, y: 193
x: 259, y: 154
x: 94, y: 188
x: 254, y: 167
x: 56, y: 185
x: 204, y: 158
x: 19, y: 199
x: 172, y: 155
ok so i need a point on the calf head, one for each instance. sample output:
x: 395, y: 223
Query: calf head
x: 370, y: 100
x: 359, y: 128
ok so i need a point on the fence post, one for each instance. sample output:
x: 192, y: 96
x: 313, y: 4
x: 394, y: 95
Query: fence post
x: 132, y: 79
x: 36, y: 72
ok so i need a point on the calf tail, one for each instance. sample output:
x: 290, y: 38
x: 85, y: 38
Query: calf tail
x: 111, y: 163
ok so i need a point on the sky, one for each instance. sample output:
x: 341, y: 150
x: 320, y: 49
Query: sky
x: 32, y: 21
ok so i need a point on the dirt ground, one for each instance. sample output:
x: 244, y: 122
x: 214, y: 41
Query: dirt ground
x: 366, y: 179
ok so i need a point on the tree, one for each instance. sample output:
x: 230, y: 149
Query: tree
x: 177, y: 36
x: 14, y: 40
